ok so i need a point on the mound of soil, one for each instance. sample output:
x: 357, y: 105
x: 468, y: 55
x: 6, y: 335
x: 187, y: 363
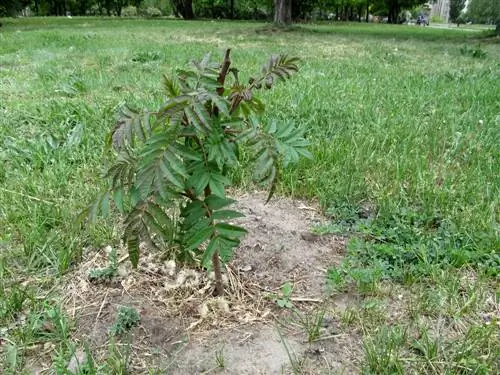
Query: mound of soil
x: 185, y: 330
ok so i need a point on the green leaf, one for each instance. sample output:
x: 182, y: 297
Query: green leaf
x: 192, y: 242
x: 165, y: 223
x: 158, y: 164
x: 170, y: 87
x: 272, y: 190
x: 187, y: 153
x: 192, y: 213
x: 227, y: 247
x: 192, y: 207
x: 220, y: 102
x: 215, y: 202
x: 171, y: 176
x: 271, y: 177
x: 194, y: 120
x: 131, y: 126
x: 223, y: 246
x: 220, y: 178
x: 133, y: 248
x: 226, y: 215
x: 104, y: 204
x: 263, y: 167
x: 174, y: 162
x: 174, y: 108
x: 230, y: 231
x: 306, y: 153
x: 118, y: 199
x: 199, y: 180
x: 134, y: 196
x: 216, y: 187
x: 212, y: 247
x: 203, y: 115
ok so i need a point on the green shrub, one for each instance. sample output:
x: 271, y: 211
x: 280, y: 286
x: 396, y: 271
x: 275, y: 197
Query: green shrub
x: 130, y: 11
x: 152, y: 12
x: 437, y: 19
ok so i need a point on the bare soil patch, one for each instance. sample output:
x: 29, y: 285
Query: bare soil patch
x: 183, y: 326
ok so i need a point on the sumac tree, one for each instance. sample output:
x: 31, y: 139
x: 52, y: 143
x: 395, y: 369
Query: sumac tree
x: 170, y: 168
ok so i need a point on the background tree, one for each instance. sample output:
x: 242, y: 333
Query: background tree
x: 300, y: 8
x: 282, y: 12
x: 456, y: 8
x: 183, y: 8
x: 485, y: 11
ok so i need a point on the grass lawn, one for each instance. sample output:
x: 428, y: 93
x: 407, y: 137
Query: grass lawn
x: 404, y: 124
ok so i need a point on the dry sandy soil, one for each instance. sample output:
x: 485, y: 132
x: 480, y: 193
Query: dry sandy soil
x: 184, y: 329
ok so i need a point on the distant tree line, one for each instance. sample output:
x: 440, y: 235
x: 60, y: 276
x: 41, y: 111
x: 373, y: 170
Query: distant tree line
x: 283, y: 11
x: 484, y: 11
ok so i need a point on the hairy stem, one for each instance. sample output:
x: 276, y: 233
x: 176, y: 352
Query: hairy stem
x: 219, y: 287
x: 223, y: 72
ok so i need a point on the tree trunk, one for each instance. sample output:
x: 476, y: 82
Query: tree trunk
x: 232, y: 9
x: 184, y: 8
x: 393, y: 13
x: 283, y: 12
x: 367, y: 11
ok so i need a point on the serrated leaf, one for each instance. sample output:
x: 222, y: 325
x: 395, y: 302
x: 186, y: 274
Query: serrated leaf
x: 174, y: 162
x: 216, y: 187
x: 193, y: 213
x: 104, y: 204
x: 174, y: 107
x: 192, y: 207
x: 212, y: 247
x: 134, y: 196
x: 170, y: 87
x: 133, y: 248
x: 215, y: 202
x: 220, y: 102
x: 304, y: 152
x: 192, y: 242
x: 227, y: 247
x: 130, y: 125
x: 271, y: 177
x: 171, y: 176
x: 230, y: 231
x: 203, y: 115
x: 194, y: 120
x: 226, y: 215
x: 199, y: 180
x: 263, y: 166
x: 118, y: 199
x: 220, y: 178
x: 274, y: 177
x: 187, y: 153
x: 160, y: 216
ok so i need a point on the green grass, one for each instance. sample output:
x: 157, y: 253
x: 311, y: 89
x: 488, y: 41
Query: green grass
x: 398, y: 117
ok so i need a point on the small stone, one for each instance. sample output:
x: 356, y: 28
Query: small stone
x: 77, y: 362
x: 246, y: 268
x: 122, y: 271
